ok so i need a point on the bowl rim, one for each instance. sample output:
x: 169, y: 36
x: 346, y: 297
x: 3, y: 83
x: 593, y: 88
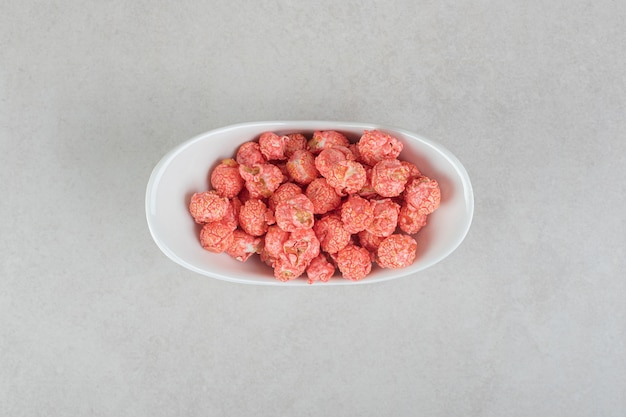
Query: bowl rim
x: 160, y: 168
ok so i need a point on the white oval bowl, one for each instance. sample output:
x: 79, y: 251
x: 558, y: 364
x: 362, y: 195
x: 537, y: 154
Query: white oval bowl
x: 185, y: 170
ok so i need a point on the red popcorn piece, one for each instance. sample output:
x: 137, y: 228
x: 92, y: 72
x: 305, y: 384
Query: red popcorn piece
x: 255, y: 217
x: 389, y: 177
x: 301, y: 247
x: 216, y: 236
x: 326, y: 139
x: 286, y: 271
x: 225, y: 178
x: 323, y: 196
x: 370, y: 241
x: 397, y: 251
x: 207, y: 207
x: 320, y: 269
x: 347, y: 177
x: 410, y: 220
x: 272, y: 146
x: 356, y: 214
x: 301, y: 167
x: 423, y: 194
x: 331, y: 233
x: 261, y: 180
x: 385, y: 217
x: 249, y: 154
x: 374, y: 146
x: 243, y: 245
x: 295, y: 213
x: 284, y: 192
x: 354, y: 262
x: 294, y: 142
x: 328, y: 157
x: 273, y: 243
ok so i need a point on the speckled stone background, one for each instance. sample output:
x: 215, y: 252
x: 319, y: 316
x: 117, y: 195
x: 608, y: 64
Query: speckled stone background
x: 526, y: 318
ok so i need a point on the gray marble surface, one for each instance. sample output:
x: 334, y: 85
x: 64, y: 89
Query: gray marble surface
x: 526, y: 318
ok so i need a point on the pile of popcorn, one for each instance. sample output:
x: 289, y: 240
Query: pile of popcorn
x: 314, y: 205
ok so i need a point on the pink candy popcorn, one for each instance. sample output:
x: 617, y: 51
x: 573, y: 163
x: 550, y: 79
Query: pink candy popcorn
x: 295, y: 213
x: 354, y: 262
x: 243, y: 245
x: 207, y: 207
x: 301, y: 167
x: 327, y: 139
x: 320, y: 269
x: 410, y: 220
x: 356, y: 214
x: 389, y: 177
x: 225, y: 178
x: 385, y: 217
x: 255, y: 217
x: 284, y: 192
x: 397, y: 251
x: 216, y: 236
x: 272, y: 146
x: 249, y: 154
x: 330, y: 232
x: 323, y: 196
x: 261, y: 180
x: 374, y: 146
x: 298, y: 251
x: 328, y: 157
x: 423, y: 194
x: 316, y: 206
x: 347, y: 177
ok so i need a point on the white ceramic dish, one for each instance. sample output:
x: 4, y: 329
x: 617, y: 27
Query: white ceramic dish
x: 184, y: 170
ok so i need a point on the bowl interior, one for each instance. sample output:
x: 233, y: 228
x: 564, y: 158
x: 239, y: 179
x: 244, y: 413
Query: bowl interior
x: 185, y: 170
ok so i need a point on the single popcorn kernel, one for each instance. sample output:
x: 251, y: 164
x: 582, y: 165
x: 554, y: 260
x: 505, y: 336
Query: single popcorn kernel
x: 272, y: 146
x: 273, y: 243
x: 249, y: 154
x: 410, y: 220
x: 225, y: 178
x: 389, y: 177
x: 216, y: 236
x: 385, y: 217
x: 374, y: 146
x: 328, y: 157
x: 301, y: 247
x: 320, y: 269
x: 331, y: 233
x: 423, y: 194
x: 323, y: 196
x: 261, y: 180
x: 301, y: 167
x: 243, y: 245
x: 255, y: 217
x: 326, y: 139
x: 397, y: 251
x: 284, y: 192
x: 354, y: 262
x: 295, y: 213
x: 207, y: 207
x: 347, y: 177
x: 356, y: 214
